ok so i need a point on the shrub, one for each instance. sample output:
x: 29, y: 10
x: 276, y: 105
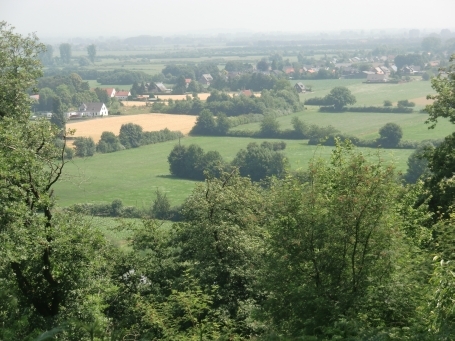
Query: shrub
x: 161, y: 206
x: 388, y: 103
x: 109, y: 143
x: 85, y: 146
x: 391, y: 135
x: 130, y: 135
x: 405, y: 104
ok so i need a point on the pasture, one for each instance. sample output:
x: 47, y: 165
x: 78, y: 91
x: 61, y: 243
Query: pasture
x: 373, y: 94
x: 134, y: 175
x: 364, y: 125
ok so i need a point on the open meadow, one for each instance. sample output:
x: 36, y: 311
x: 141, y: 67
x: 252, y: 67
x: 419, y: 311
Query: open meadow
x: 373, y: 94
x: 133, y: 175
x: 364, y: 125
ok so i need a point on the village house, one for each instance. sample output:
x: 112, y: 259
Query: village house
x: 375, y: 76
x: 187, y: 82
x: 299, y: 87
x: 122, y: 95
x: 93, y: 109
x: 160, y: 87
x: 205, y: 79
x: 110, y: 92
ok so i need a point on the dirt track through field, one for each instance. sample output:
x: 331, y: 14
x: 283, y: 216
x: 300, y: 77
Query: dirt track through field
x: 149, y: 122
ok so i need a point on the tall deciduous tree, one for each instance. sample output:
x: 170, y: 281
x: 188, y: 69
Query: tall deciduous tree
x: 339, y: 97
x: 44, y: 256
x: 91, y: 51
x: 329, y: 249
x: 65, y: 53
x: 391, y: 134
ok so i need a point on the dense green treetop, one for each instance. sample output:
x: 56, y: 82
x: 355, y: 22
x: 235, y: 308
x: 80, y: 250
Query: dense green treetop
x: 339, y: 97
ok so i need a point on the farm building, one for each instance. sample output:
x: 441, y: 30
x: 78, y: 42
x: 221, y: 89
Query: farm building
x: 299, y: 87
x: 110, y: 92
x: 206, y: 78
x: 159, y: 87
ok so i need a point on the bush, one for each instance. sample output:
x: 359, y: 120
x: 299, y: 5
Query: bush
x: 161, y: 206
x: 405, y: 104
x: 69, y: 153
x: 391, y: 135
x: 388, y: 103
x: 109, y: 143
x: 259, y: 162
x: 85, y: 146
x: 130, y: 135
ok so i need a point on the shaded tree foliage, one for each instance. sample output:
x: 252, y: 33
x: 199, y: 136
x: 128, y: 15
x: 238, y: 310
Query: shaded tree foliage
x: 130, y: 135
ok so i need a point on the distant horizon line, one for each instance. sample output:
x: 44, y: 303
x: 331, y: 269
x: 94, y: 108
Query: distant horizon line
x: 231, y: 32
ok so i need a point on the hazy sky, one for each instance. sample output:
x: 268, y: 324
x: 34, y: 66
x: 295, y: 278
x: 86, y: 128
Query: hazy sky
x: 93, y: 18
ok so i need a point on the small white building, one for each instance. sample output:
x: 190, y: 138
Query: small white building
x: 93, y: 109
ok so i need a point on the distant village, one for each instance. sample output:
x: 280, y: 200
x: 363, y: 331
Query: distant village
x: 373, y: 70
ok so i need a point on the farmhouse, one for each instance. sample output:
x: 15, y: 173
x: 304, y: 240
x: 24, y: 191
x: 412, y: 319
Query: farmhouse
x: 187, y: 82
x: 122, y: 95
x: 299, y: 87
x: 160, y: 87
x: 93, y: 109
x: 375, y: 77
x: 205, y: 79
x: 110, y: 92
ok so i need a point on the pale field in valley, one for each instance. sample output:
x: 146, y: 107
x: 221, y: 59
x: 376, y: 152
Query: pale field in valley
x: 149, y: 122
x: 202, y: 97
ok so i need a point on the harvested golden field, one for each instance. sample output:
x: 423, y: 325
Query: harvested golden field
x: 202, y: 96
x: 421, y: 100
x: 149, y: 122
x: 133, y: 104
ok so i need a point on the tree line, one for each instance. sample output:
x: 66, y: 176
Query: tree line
x: 130, y: 136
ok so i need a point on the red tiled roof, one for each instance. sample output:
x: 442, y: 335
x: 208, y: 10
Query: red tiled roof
x: 110, y: 91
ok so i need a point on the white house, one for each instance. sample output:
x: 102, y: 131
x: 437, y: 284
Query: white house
x: 93, y: 109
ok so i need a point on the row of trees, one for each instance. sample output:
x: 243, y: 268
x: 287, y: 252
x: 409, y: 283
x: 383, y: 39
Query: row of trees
x: 131, y: 136
x: 47, y: 55
x: 284, y: 100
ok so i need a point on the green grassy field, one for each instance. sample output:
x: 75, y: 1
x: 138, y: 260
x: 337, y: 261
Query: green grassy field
x: 365, y: 125
x: 372, y: 94
x: 134, y: 175
x: 113, y: 230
